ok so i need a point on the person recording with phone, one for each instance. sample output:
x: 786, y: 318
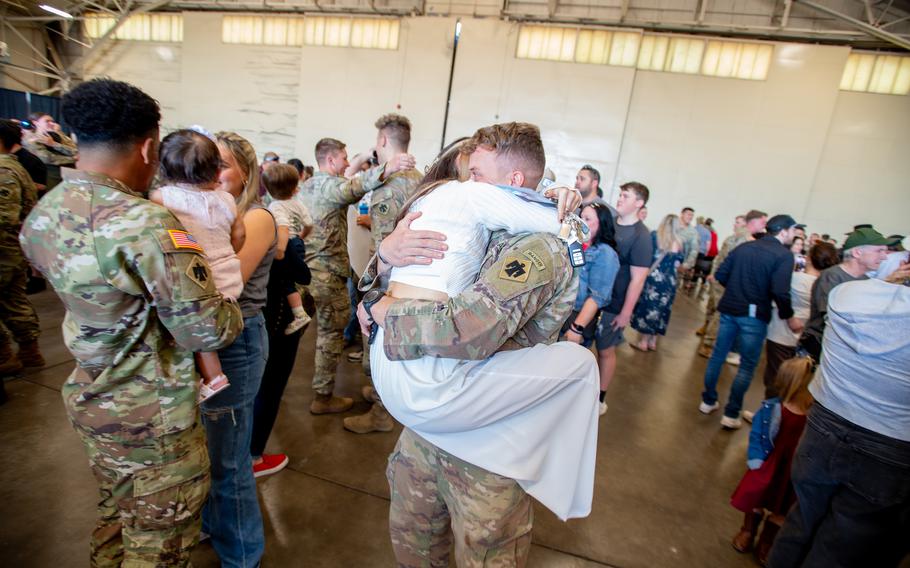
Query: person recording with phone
x: 43, y: 137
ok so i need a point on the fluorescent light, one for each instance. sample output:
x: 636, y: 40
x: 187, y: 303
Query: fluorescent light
x: 56, y: 11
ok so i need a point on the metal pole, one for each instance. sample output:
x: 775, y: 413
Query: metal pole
x: 445, y: 120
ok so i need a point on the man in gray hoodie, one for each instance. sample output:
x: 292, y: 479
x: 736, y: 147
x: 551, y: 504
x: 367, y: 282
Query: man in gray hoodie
x: 851, y: 471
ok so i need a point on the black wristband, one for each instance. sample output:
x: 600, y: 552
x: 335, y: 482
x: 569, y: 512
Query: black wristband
x: 577, y: 328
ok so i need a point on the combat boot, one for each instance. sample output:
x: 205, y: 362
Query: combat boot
x: 369, y: 394
x: 330, y: 404
x: 377, y: 419
x: 30, y: 355
x: 9, y: 363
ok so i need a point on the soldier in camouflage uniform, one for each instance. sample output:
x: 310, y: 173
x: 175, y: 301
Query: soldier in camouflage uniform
x: 393, y: 137
x: 51, y: 145
x: 490, y: 515
x: 17, y: 197
x: 754, y: 223
x: 139, y: 298
x: 326, y: 196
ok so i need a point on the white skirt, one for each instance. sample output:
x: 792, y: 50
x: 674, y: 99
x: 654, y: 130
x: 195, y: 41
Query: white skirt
x: 529, y: 415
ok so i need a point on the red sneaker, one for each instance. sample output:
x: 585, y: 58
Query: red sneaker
x: 271, y: 463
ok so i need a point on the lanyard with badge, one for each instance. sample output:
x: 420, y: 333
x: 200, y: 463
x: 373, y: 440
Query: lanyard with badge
x: 573, y: 231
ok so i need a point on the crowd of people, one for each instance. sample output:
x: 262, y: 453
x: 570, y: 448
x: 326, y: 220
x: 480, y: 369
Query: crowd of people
x: 189, y: 272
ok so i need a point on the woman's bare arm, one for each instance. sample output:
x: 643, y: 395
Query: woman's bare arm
x: 260, y: 234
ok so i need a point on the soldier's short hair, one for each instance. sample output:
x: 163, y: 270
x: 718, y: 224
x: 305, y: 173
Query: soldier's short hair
x: 10, y: 133
x: 190, y: 157
x: 328, y: 146
x: 755, y: 214
x: 517, y: 142
x: 640, y: 190
x: 280, y: 181
x: 104, y: 112
x: 396, y: 127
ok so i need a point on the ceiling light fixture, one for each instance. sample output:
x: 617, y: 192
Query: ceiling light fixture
x: 55, y: 11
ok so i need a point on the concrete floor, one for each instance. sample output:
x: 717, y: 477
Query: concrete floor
x: 664, y: 472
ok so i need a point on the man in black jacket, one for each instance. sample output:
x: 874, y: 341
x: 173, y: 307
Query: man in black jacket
x: 753, y: 275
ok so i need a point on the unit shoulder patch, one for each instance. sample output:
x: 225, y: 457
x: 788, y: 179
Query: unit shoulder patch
x: 515, y: 269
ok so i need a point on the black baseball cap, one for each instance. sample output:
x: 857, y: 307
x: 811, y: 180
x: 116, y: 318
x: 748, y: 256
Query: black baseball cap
x: 780, y: 223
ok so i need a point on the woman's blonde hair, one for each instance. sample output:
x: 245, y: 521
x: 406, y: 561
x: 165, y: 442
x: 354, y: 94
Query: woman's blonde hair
x: 245, y: 155
x: 668, y: 232
x: 793, y: 377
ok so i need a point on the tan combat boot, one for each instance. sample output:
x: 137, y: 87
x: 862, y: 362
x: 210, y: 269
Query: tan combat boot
x: 369, y: 394
x: 9, y: 363
x: 330, y: 404
x: 705, y: 351
x: 377, y: 419
x: 30, y: 355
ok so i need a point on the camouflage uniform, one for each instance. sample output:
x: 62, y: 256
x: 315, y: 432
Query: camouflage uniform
x: 490, y: 515
x: 386, y: 205
x: 327, y: 197
x: 17, y: 197
x: 139, y: 298
x: 53, y: 154
x: 712, y: 316
x: 689, y: 236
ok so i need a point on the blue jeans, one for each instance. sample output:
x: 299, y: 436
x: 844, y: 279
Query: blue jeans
x: 853, y: 498
x: 749, y: 335
x: 232, y: 514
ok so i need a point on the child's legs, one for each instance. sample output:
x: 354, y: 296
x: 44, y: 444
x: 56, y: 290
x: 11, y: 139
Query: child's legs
x: 294, y: 300
x: 209, y: 365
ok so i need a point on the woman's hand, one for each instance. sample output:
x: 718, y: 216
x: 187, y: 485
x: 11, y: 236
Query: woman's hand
x: 568, y: 199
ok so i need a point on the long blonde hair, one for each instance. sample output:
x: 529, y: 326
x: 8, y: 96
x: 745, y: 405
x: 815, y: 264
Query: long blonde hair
x: 793, y: 378
x: 668, y: 233
x: 245, y: 155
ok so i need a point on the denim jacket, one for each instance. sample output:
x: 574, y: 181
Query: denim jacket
x: 765, y: 425
x: 597, y: 275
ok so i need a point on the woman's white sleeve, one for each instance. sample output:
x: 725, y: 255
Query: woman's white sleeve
x: 497, y: 209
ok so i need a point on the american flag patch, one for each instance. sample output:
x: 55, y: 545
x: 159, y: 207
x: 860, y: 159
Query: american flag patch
x: 184, y: 240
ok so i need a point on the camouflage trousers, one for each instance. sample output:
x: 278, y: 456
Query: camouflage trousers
x: 16, y: 311
x: 148, y: 516
x: 438, y: 498
x: 712, y: 316
x: 333, y: 309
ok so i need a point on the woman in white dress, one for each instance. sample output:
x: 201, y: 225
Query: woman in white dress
x: 537, y: 426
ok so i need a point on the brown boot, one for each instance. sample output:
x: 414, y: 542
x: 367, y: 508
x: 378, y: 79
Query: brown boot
x: 743, y: 540
x: 700, y: 331
x: 377, y: 419
x: 705, y: 351
x: 9, y: 363
x: 30, y: 355
x: 330, y: 404
x: 369, y: 394
x: 765, y: 542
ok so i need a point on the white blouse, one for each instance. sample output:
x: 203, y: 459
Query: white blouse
x: 467, y: 213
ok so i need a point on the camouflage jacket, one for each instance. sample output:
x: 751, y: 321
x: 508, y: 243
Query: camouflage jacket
x: 139, y: 298
x: 689, y: 237
x: 61, y: 153
x: 327, y: 197
x: 387, y: 202
x: 17, y: 197
x: 523, y: 294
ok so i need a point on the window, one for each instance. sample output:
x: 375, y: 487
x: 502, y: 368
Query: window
x: 261, y: 30
x: 330, y: 31
x: 139, y: 27
x: 368, y: 33
x: 736, y: 59
x: 675, y: 54
x: 578, y: 45
x: 874, y: 73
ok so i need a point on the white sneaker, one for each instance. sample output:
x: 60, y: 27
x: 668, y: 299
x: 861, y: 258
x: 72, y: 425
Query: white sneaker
x: 731, y: 423
x: 733, y: 359
x: 603, y: 409
x: 747, y: 416
x: 297, y: 323
x: 706, y: 408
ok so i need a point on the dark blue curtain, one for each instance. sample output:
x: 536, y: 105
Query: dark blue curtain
x: 13, y: 104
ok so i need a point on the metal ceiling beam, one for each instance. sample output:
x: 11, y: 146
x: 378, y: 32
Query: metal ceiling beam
x: 869, y: 29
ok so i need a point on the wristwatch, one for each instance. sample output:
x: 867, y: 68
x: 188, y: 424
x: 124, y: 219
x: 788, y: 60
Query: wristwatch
x: 369, y: 299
